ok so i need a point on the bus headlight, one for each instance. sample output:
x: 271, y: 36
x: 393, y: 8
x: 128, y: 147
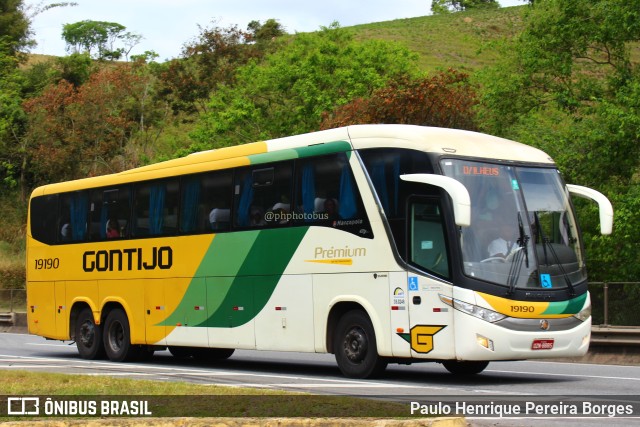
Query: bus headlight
x: 474, y: 310
x: 584, y: 314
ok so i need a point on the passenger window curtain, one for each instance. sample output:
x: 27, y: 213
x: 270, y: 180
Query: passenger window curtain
x: 157, y: 195
x: 378, y: 176
x: 104, y: 214
x: 347, y: 204
x: 396, y: 183
x: 246, y: 198
x: 78, y: 211
x: 190, y: 204
x: 308, y: 190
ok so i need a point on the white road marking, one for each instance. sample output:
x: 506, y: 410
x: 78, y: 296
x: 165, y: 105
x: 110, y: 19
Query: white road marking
x: 565, y: 375
x: 51, y: 345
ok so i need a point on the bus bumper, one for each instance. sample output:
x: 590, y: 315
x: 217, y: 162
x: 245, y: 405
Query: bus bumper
x: 476, y: 339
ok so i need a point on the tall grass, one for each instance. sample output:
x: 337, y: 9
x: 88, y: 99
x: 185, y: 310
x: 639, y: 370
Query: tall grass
x: 13, y: 215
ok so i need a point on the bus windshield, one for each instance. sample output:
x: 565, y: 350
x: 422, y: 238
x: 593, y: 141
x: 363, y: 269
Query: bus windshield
x: 523, y: 232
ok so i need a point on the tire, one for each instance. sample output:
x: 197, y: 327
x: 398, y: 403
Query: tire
x: 465, y: 368
x: 355, y: 346
x: 117, y: 337
x: 88, y: 336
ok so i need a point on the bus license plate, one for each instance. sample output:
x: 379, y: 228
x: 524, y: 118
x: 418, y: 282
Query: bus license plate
x: 542, y: 344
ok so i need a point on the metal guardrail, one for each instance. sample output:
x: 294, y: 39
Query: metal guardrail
x: 615, y: 303
x: 7, y: 319
x: 615, y: 336
x: 13, y: 300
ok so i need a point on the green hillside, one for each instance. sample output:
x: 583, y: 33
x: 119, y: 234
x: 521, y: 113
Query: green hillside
x: 457, y: 40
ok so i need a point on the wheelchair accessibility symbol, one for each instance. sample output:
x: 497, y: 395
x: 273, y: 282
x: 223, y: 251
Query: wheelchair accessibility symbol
x: 413, y: 283
x: 545, y: 281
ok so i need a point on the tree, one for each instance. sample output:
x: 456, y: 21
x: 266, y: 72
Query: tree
x: 14, y: 26
x: 445, y: 100
x: 76, y: 132
x: 447, y: 6
x: 99, y: 39
x: 288, y: 92
x: 211, y: 59
x: 12, y: 117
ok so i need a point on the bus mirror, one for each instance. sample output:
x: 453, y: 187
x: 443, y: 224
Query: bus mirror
x: 456, y: 190
x: 604, y: 205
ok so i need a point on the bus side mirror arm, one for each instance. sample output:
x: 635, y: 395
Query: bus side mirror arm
x: 604, y: 205
x: 456, y: 190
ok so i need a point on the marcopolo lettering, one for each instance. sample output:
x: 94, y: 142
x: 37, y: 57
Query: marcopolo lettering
x: 128, y: 259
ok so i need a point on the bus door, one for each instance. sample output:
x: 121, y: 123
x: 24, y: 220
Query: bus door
x: 430, y: 320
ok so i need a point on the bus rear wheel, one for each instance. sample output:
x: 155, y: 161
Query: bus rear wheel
x: 355, y: 347
x: 117, y: 337
x: 88, y: 336
x: 457, y: 367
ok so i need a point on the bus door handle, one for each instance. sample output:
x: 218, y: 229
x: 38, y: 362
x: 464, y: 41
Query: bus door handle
x: 417, y: 300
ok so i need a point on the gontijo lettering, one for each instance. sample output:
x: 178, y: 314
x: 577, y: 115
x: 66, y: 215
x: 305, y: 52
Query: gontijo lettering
x: 128, y: 259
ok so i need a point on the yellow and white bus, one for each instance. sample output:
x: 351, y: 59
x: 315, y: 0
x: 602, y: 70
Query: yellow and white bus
x: 377, y: 243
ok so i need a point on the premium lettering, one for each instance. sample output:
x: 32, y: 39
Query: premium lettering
x: 128, y: 259
x: 345, y: 252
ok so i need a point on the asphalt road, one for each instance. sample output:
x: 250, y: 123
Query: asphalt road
x: 318, y: 374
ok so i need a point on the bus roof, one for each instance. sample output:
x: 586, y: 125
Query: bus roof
x: 429, y: 139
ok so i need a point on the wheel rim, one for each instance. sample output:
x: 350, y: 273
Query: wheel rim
x: 116, y: 336
x: 356, y: 345
x: 87, y: 333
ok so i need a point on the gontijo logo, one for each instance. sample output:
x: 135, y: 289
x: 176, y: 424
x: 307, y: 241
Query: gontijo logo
x: 128, y: 259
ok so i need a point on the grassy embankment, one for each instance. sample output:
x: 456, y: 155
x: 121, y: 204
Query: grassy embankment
x: 228, y: 401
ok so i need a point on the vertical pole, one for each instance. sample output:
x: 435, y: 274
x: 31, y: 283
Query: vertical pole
x: 606, y: 304
x: 11, y: 301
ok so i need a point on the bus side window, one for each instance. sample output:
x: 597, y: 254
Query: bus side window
x: 206, y: 202
x: 110, y: 211
x: 44, y: 218
x: 74, y: 212
x: 263, y: 196
x: 156, y: 208
x: 428, y: 248
x: 327, y: 195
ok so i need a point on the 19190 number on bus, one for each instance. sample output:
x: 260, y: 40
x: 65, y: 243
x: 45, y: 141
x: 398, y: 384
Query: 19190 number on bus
x: 47, y: 263
x: 522, y: 309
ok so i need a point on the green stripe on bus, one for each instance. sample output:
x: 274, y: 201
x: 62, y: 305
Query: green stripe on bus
x: 258, y: 276
x: 326, y: 148
x: 242, y: 270
x: 295, y: 153
x: 572, y: 306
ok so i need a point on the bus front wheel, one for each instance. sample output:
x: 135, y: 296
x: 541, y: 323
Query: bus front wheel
x: 117, y: 337
x: 88, y: 336
x: 355, y: 346
x: 457, y: 367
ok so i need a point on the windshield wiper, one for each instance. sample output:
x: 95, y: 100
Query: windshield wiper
x: 522, y: 253
x: 546, y: 242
